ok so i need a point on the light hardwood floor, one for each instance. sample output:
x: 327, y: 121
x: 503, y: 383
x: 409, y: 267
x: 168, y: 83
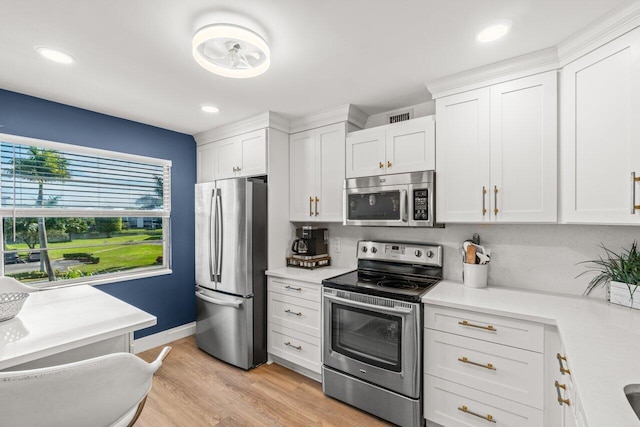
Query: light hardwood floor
x: 194, y: 389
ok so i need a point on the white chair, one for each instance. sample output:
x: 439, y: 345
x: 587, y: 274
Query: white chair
x: 105, y: 391
x: 9, y: 284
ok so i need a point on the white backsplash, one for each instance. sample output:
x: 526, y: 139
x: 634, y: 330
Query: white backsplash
x: 539, y: 257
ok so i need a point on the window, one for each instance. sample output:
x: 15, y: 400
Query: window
x: 73, y: 214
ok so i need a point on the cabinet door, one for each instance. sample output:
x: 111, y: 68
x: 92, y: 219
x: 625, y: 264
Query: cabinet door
x: 524, y: 149
x: 462, y: 158
x: 600, y: 134
x: 227, y: 158
x: 302, y: 175
x: 366, y: 153
x: 330, y: 146
x: 253, y: 149
x: 411, y: 146
x: 206, y: 162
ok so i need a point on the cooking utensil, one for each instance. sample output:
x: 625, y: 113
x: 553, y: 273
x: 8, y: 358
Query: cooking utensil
x: 471, y: 254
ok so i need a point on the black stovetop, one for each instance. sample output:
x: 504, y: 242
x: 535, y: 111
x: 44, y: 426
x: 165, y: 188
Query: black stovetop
x: 404, y: 287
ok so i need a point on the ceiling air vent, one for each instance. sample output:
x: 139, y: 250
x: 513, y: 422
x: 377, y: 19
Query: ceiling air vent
x: 401, y: 116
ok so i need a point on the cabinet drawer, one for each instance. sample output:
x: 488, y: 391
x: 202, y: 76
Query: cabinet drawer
x: 303, y: 290
x: 507, y: 372
x: 295, y: 313
x: 446, y: 402
x: 294, y: 346
x: 497, y: 329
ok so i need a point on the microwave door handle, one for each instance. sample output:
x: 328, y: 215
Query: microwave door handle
x: 398, y: 310
x: 403, y: 205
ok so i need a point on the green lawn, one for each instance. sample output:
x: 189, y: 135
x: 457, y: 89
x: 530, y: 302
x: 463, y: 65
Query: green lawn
x: 121, y: 252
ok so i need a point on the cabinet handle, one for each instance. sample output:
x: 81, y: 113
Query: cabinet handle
x: 471, y: 325
x: 564, y: 401
x: 484, y: 196
x: 562, y: 386
x: 562, y: 368
x: 291, y: 288
x: 235, y: 169
x: 388, y: 164
x: 633, y: 193
x: 297, y: 347
x: 467, y: 411
x: 495, y: 200
x: 317, y: 200
x: 487, y: 366
x: 297, y: 314
x: 310, y: 206
x: 239, y: 169
x: 380, y: 165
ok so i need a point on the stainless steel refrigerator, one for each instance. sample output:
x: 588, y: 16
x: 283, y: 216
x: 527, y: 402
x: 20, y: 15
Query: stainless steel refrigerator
x: 231, y: 258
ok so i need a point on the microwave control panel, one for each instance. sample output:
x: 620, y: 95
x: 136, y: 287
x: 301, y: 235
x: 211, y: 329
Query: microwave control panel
x: 420, y: 205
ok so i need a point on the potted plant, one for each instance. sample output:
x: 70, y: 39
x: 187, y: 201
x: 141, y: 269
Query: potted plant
x: 621, y: 272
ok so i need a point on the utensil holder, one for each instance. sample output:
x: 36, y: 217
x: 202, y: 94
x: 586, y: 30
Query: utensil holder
x: 475, y: 275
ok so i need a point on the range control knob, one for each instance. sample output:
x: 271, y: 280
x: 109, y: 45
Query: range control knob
x: 364, y: 249
x: 429, y: 254
x: 374, y: 250
x: 418, y: 253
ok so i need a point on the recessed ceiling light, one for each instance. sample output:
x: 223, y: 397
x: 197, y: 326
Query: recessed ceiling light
x: 494, y: 32
x: 55, y: 55
x: 231, y: 51
x: 209, y: 109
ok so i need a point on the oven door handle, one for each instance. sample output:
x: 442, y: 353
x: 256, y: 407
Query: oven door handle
x: 398, y: 310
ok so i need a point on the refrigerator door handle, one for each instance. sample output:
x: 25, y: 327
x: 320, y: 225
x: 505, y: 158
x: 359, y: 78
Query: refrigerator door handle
x: 236, y: 303
x: 219, y: 236
x: 212, y: 230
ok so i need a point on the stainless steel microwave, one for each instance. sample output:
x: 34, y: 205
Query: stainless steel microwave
x: 399, y: 200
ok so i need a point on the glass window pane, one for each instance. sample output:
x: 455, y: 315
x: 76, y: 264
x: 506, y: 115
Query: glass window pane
x: 80, y: 247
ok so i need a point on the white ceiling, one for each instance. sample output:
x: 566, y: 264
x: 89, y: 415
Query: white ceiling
x: 133, y: 58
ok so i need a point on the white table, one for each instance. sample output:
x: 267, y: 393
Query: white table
x: 68, y: 324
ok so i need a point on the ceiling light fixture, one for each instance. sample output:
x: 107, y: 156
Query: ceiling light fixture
x: 210, y: 109
x: 231, y: 51
x: 494, y: 32
x: 55, y: 55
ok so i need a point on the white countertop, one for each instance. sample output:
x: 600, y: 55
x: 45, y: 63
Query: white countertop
x: 316, y: 275
x: 602, y: 340
x: 56, y: 320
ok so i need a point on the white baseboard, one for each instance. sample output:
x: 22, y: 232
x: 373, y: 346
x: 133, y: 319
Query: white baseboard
x: 164, y: 337
x: 296, y: 368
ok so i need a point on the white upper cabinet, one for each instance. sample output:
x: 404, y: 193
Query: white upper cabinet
x: 497, y: 153
x: 400, y: 147
x: 600, y: 134
x: 242, y: 155
x: 206, y: 157
x: 317, y: 174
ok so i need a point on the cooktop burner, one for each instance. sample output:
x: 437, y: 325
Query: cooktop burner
x: 397, y: 284
x: 367, y: 276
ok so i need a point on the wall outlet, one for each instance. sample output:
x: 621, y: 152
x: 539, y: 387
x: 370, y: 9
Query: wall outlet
x: 336, y: 246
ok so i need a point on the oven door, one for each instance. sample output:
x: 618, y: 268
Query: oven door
x: 381, y: 206
x: 375, y: 339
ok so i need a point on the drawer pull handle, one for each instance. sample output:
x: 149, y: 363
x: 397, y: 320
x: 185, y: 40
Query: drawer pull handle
x: 291, y: 288
x: 564, y: 401
x: 487, y: 366
x: 562, y: 386
x: 293, y: 312
x: 488, y: 327
x: 297, y: 347
x: 563, y: 370
x: 467, y: 411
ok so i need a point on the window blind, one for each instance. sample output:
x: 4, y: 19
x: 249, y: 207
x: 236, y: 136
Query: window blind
x: 44, y: 179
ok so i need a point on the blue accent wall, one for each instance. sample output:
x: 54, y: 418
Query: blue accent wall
x: 171, y: 297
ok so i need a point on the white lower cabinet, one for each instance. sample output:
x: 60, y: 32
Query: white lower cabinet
x: 482, y: 369
x: 293, y: 322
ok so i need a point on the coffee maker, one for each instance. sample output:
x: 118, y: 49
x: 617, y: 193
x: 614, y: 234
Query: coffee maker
x: 311, y: 242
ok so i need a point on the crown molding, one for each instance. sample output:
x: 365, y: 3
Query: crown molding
x: 344, y: 113
x: 610, y: 26
x: 498, y: 72
x: 261, y: 121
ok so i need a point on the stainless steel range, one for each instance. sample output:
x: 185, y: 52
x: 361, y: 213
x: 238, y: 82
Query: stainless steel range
x: 372, y: 329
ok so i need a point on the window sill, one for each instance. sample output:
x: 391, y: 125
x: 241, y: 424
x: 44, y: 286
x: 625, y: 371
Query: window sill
x: 125, y: 277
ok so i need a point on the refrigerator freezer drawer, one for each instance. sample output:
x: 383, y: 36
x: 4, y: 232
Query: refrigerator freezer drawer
x: 225, y: 328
